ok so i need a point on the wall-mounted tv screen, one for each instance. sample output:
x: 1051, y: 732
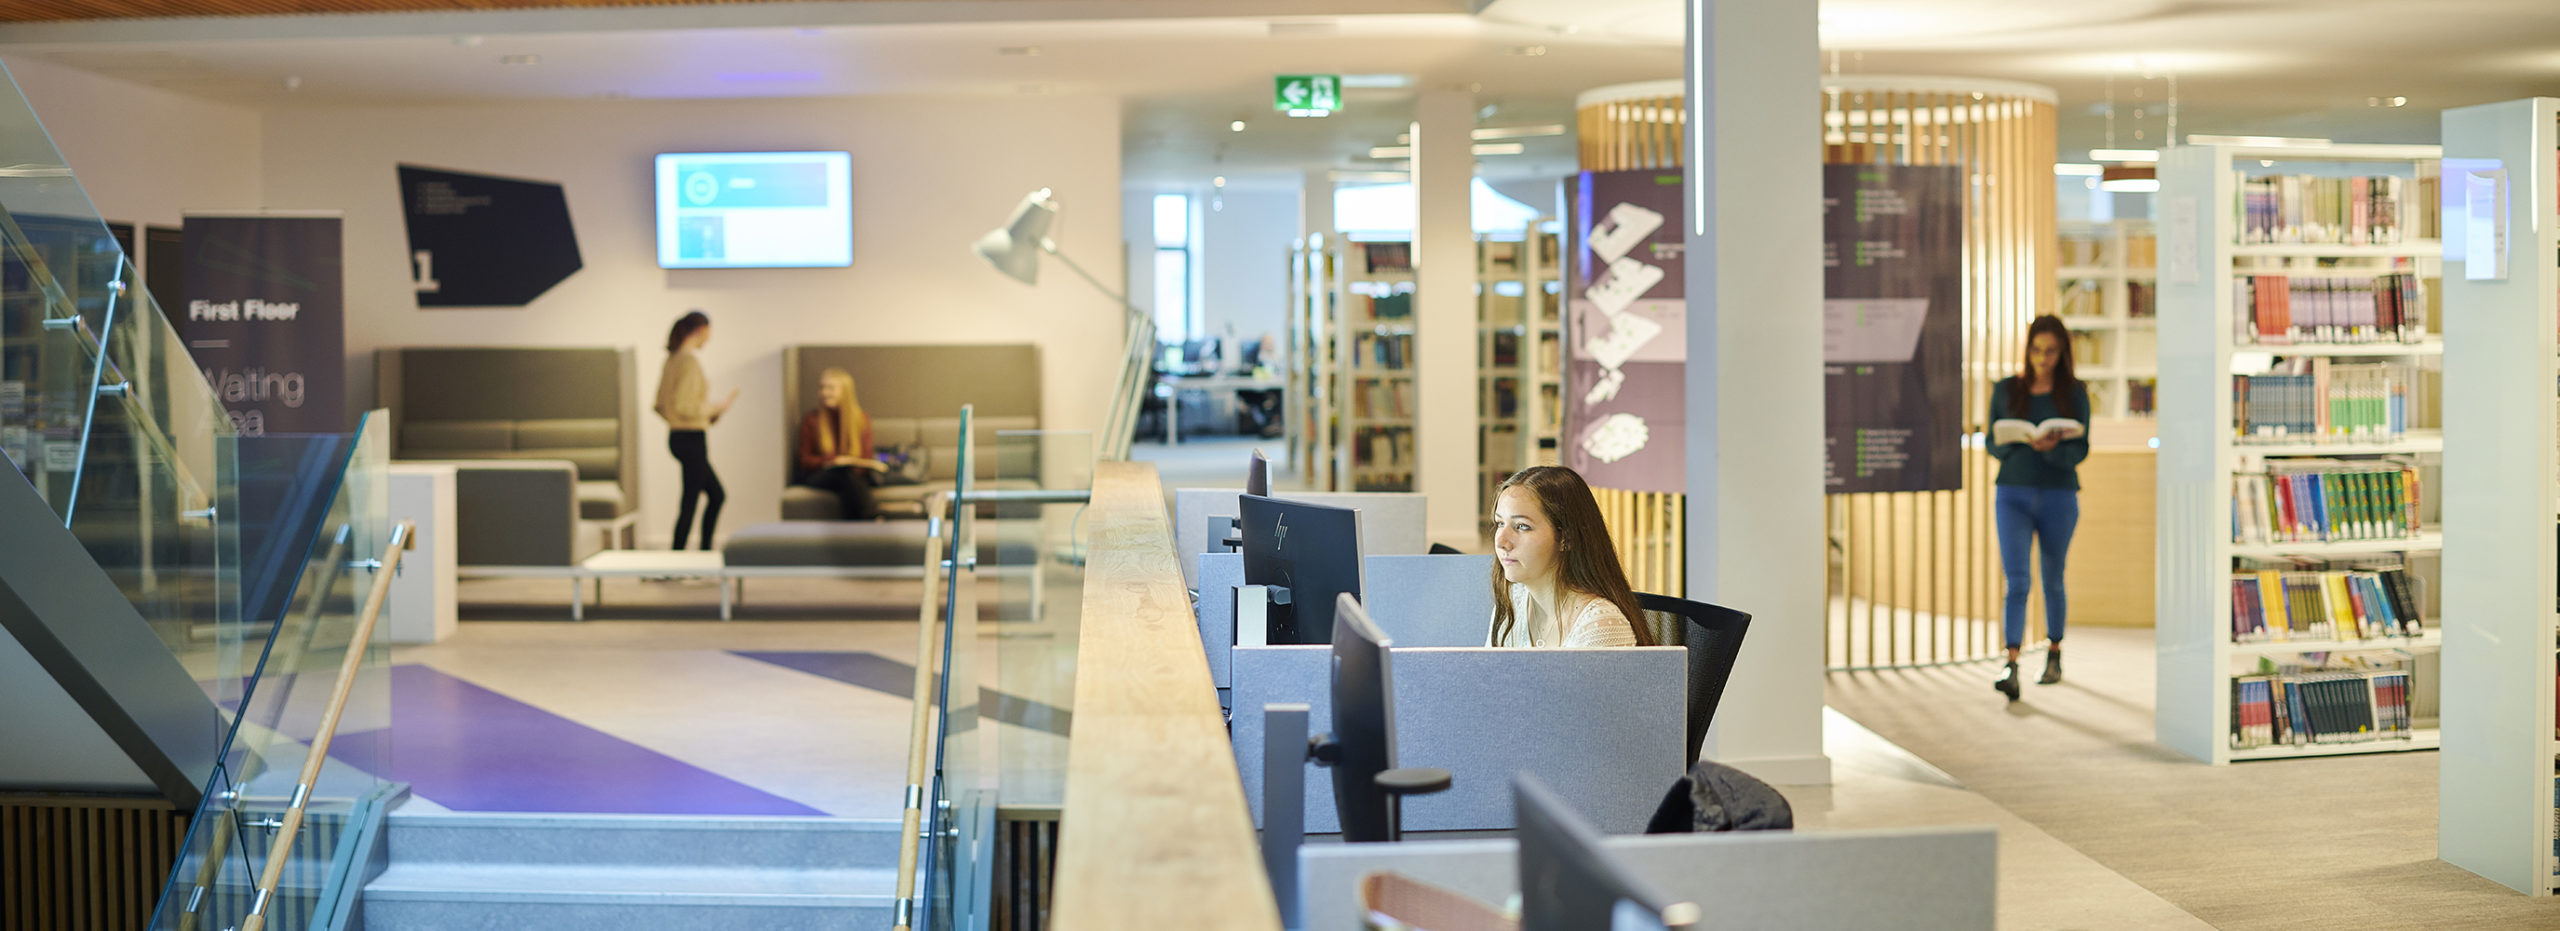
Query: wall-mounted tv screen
x: 755, y: 209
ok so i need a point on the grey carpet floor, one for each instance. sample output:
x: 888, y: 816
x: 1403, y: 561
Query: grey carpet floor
x: 2336, y: 842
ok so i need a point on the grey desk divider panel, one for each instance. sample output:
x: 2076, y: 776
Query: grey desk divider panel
x: 1900, y: 878
x: 1391, y: 522
x: 1603, y: 727
x: 1421, y: 601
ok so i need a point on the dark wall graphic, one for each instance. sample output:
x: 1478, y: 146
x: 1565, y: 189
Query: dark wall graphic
x: 485, y: 241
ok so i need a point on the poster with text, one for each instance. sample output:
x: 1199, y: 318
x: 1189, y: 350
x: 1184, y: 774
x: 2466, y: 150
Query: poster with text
x: 1892, y: 328
x: 265, y: 317
x: 1625, y: 394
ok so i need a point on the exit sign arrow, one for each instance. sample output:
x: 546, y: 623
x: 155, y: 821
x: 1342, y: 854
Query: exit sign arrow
x: 1306, y: 94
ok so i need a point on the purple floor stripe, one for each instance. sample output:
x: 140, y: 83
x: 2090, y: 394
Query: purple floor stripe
x: 882, y: 674
x: 470, y: 749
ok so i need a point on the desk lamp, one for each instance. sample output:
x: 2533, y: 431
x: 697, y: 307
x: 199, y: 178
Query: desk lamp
x: 1015, y: 248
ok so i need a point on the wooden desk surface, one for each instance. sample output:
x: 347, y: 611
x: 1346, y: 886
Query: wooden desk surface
x: 1156, y: 833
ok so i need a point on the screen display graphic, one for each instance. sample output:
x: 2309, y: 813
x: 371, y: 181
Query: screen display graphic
x: 755, y: 209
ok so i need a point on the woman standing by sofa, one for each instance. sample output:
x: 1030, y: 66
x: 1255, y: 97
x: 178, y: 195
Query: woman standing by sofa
x: 683, y: 395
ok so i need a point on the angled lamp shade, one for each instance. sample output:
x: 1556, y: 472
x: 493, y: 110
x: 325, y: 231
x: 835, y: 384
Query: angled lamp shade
x: 1015, y: 247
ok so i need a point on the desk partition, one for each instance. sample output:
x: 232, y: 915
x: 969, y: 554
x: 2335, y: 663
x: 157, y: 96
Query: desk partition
x: 1936, y: 878
x: 1391, y: 522
x: 1606, y: 728
x: 1421, y: 601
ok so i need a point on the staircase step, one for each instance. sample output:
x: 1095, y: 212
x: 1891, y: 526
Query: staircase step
x: 643, y: 840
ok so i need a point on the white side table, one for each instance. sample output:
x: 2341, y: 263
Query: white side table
x: 420, y: 608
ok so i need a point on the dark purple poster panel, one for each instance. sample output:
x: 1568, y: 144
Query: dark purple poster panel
x: 1627, y: 321
x: 1892, y: 328
x: 265, y: 317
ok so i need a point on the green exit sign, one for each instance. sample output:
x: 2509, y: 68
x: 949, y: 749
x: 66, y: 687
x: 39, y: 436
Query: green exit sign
x: 1306, y: 94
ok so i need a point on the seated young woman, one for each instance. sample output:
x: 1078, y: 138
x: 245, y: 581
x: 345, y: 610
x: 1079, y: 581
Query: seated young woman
x: 1556, y: 579
x: 835, y: 447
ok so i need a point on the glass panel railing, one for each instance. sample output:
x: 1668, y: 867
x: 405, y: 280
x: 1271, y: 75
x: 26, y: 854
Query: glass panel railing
x: 297, y: 670
x: 1032, y: 555
x: 954, y: 873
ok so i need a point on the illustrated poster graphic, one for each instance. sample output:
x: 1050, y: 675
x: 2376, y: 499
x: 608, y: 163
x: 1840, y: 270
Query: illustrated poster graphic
x: 1892, y: 328
x: 1625, y: 394
x: 485, y: 241
x: 265, y: 317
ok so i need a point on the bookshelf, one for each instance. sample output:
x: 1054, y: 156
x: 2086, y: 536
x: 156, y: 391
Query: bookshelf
x: 2498, y: 791
x: 2300, y: 452
x: 1315, y: 266
x: 1372, y: 301
x: 1518, y: 341
x: 2108, y: 296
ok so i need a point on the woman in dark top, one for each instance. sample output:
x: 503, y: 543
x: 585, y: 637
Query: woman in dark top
x: 835, y: 447
x: 2036, y: 497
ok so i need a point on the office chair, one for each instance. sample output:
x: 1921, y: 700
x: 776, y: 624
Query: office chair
x: 1713, y: 636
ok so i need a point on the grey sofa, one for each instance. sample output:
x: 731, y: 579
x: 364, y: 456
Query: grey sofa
x: 549, y: 438
x: 914, y: 395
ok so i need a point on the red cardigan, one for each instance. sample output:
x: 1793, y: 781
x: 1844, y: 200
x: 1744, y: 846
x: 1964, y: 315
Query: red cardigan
x: 813, y: 431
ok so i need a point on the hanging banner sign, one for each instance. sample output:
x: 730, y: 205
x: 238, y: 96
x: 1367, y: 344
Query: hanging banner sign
x: 1625, y: 393
x: 265, y: 318
x: 1892, y: 328
x: 485, y: 241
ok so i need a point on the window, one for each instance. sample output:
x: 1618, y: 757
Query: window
x: 1385, y: 212
x: 1173, y: 268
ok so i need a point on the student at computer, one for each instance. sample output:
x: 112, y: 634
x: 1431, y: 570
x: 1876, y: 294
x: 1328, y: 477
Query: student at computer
x: 835, y: 447
x: 684, y: 401
x: 1556, y: 579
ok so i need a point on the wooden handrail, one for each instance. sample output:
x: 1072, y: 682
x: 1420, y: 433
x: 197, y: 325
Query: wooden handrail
x: 402, y: 539
x: 920, y: 722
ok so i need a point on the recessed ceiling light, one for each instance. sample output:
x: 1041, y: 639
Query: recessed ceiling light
x: 467, y: 41
x: 2124, y: 155
x: 1020, y: 51
x: 520, y: 60
x: 2077, y: 169
x: 1519, y: 132
x: 1376, y: 81
x: 1525, y: 51
x: 1219, y: 181
x: 293, y: 82
x: 1310, y: 114
x: 1391, y: 151
x: 2264, y: 142
x: 1236, y: 127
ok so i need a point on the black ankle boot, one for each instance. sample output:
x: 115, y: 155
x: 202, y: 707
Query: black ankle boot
x: 2052, y: 668
x: 2008, y: 684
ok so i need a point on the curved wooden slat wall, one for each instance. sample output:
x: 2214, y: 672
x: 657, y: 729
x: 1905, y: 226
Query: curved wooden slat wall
x: 1914, y: 577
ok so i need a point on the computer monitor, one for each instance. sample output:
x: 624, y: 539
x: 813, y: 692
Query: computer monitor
x: 1364, y: 724
x: 1257, y: 475
x: 1568, y: 883
x: 1249, y: 354
x: 1310, y: 552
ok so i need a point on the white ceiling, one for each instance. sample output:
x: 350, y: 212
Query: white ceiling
x: 2262, y: 67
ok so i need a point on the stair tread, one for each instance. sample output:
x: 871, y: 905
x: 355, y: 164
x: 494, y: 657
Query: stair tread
x: 625, y: 883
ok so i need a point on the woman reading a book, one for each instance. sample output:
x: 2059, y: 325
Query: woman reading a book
x: 835, y: 447
x: 1556, y: 579
x: 2039, y: 432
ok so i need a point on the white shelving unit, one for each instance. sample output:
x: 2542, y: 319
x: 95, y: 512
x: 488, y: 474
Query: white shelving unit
x: 1374, y: 449
x: 1516, y: 289
x: 1315, y: 384
x: 2108, y: 283
x: 2200, y: 449
x: 2496, y: 799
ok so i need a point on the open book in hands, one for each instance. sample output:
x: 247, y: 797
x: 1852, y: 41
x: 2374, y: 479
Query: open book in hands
x: 2004, y: 432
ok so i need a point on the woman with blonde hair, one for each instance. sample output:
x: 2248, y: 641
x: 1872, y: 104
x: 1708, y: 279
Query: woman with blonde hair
x: 835, y: 446
x: 1556, y: 579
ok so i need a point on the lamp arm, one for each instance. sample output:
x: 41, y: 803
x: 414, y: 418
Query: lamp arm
x: 1052, y: 249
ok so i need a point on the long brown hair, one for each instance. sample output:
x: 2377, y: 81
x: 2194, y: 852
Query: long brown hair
x: 685, y: 325
x: 1586, y: 562
x: 850, y: 419
x: 2066, y: 382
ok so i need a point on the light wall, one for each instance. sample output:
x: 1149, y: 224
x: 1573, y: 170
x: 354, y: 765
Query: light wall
x: 144, y: 155
x: 1240, y: 257
x: 930, y: 175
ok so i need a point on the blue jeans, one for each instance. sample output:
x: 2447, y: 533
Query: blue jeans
x: 2024, y: 514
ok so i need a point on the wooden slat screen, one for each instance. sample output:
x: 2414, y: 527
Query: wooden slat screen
x: 1915, y: 578
x: 77, y: 864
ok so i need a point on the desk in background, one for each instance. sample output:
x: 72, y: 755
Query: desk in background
x: 1181, y: 383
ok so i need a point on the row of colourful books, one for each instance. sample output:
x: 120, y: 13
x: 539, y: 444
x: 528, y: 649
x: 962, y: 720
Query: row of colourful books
x: 2317, y: 398
x: 1391, y: 398
x: 2325, y: 501
x: 2270, y: 605
x: 2319, y: 708
x: 2347, y: 211
x: 2330, y: 309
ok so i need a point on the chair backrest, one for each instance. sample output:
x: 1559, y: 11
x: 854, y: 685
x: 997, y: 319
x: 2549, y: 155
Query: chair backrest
x: 1713, y: 636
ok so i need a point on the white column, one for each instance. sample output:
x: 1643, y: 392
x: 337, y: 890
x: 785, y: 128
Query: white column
x: 1315, y: 203
x: 1754, y: 188
x: 1444, y: 265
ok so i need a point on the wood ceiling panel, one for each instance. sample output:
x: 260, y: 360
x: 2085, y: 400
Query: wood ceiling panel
x: 37, y: 11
